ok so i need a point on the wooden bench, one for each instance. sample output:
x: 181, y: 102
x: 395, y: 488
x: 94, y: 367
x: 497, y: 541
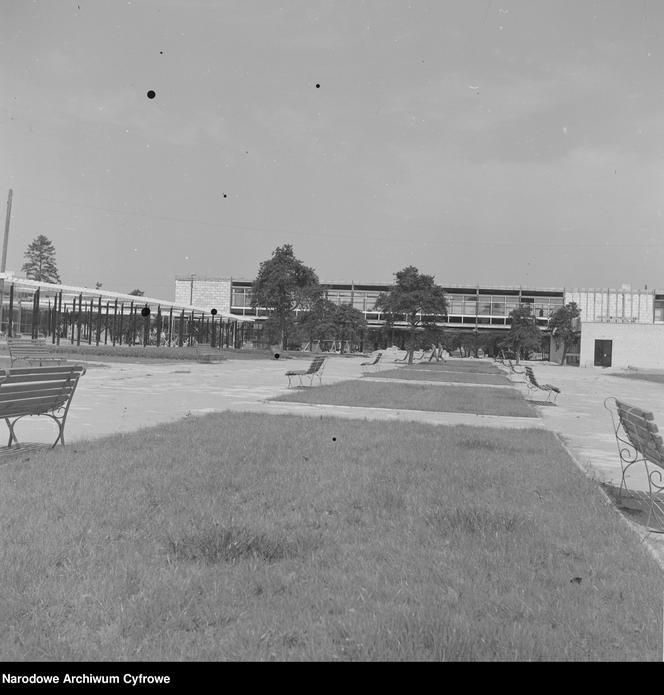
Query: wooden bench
x: 38, y: 391
x: 366, y: 366
x: 638, y: 441
x: 315, y: 370
x: 31, y: 351
x: 208, y: 354
x: 533, y: 385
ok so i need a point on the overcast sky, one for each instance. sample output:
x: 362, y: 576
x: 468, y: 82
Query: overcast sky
x: 500, y: 142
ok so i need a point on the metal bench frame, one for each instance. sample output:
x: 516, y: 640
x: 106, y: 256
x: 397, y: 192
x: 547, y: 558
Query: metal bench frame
x: 366, y: 366
x: 638, y: 441
x: 33, y: 350
x: 533, y: 385
x: 513, y: 370
x: 38, y: 391
x: 315, y: 370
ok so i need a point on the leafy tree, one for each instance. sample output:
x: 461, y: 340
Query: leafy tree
x: 349, y: 323
x: 524, y: 333
x: 562, y: 325
x: 284, y: 284
x: 416, y: 299
x: 137, y: 293
x: 40, y: 261
x: 318, y: 323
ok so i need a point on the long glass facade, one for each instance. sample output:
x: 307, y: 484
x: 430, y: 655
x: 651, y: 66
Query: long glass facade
x: 479, y: 306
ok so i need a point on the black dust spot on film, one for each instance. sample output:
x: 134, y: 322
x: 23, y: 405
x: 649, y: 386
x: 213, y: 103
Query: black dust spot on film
x: 151, y: 94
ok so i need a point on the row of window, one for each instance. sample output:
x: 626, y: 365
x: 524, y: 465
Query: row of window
x: 469, y: 305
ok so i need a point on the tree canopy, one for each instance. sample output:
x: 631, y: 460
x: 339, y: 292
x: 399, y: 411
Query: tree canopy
x: 524, y: 333
x: 137, y: 293
x: 563, y: 326
x: 284, y: 284
x: 326, y: 320
x: 40, y: 261
x: 417, y: 299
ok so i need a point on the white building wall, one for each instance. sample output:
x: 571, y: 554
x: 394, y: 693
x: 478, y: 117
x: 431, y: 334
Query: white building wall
x: 634, y: 344
x: 610, y: 304
x: 214, y: 293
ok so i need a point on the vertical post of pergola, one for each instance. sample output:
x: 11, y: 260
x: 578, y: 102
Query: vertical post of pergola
x: 146, y: 326
x: 72, y: 319
x: 115, y: 321
x: 132, y: 320
x: 106, y: 326
x: 58, y: 318
x: 170, y: 327
x: 158, y: 325
x: 181, y: 330
x: 78, y: 319
x: 121, y: 322
x: 89, y: 321
x: 98, y: 321
x: 10, y: 317
x: 35, y: 314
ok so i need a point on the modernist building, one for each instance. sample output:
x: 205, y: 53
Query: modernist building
x: 618, y: 327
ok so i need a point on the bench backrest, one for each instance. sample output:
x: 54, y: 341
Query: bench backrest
x: 315, y: 365
x: 37, y: 390
x: 641, y: 431
x: 18, y: 346
x: 531, y: 376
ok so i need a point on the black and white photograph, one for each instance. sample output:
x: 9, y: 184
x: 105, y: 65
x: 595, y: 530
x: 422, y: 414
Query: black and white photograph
x: 330, y: 331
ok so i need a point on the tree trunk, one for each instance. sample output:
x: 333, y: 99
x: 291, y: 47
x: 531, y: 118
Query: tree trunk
x: 564, y: 357
x: 411, y: 346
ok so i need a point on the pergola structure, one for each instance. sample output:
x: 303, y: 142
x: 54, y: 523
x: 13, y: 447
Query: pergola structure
x: 97, y: 316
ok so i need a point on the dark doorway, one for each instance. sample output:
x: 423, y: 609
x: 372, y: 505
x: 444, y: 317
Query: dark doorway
x: 603, y: 350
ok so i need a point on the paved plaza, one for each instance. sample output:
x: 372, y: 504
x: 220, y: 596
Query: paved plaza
x: 124, y: 397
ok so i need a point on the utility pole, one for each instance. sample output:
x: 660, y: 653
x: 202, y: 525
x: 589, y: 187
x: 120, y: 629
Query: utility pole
x: 3, y: 262
x: 191, y: 290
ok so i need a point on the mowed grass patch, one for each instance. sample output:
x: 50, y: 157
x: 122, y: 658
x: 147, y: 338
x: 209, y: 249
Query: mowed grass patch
x: 239, y: 536
x: 433, y: 374
x: 460, y: 365
x: 399, y: 396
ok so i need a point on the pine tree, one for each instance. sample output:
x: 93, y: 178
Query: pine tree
x: 40, y: 261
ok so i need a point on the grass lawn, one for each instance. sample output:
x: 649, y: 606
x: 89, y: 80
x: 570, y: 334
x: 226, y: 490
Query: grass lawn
x: 450, y: 399
x: 441, y: 375
x: 472, y: 366
x: 137, y: 354
x: 246, y: 537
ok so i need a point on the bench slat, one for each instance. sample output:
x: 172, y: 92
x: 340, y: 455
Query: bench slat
x: 45, y: 378
x: 33, y: 406
x: 17, y: 393
x: 637, y: 412
x: 61, y: 369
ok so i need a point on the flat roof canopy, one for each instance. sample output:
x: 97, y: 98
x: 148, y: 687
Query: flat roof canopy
x: 71, y: 292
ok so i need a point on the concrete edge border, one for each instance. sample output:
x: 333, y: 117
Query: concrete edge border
x: 643, y: 540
